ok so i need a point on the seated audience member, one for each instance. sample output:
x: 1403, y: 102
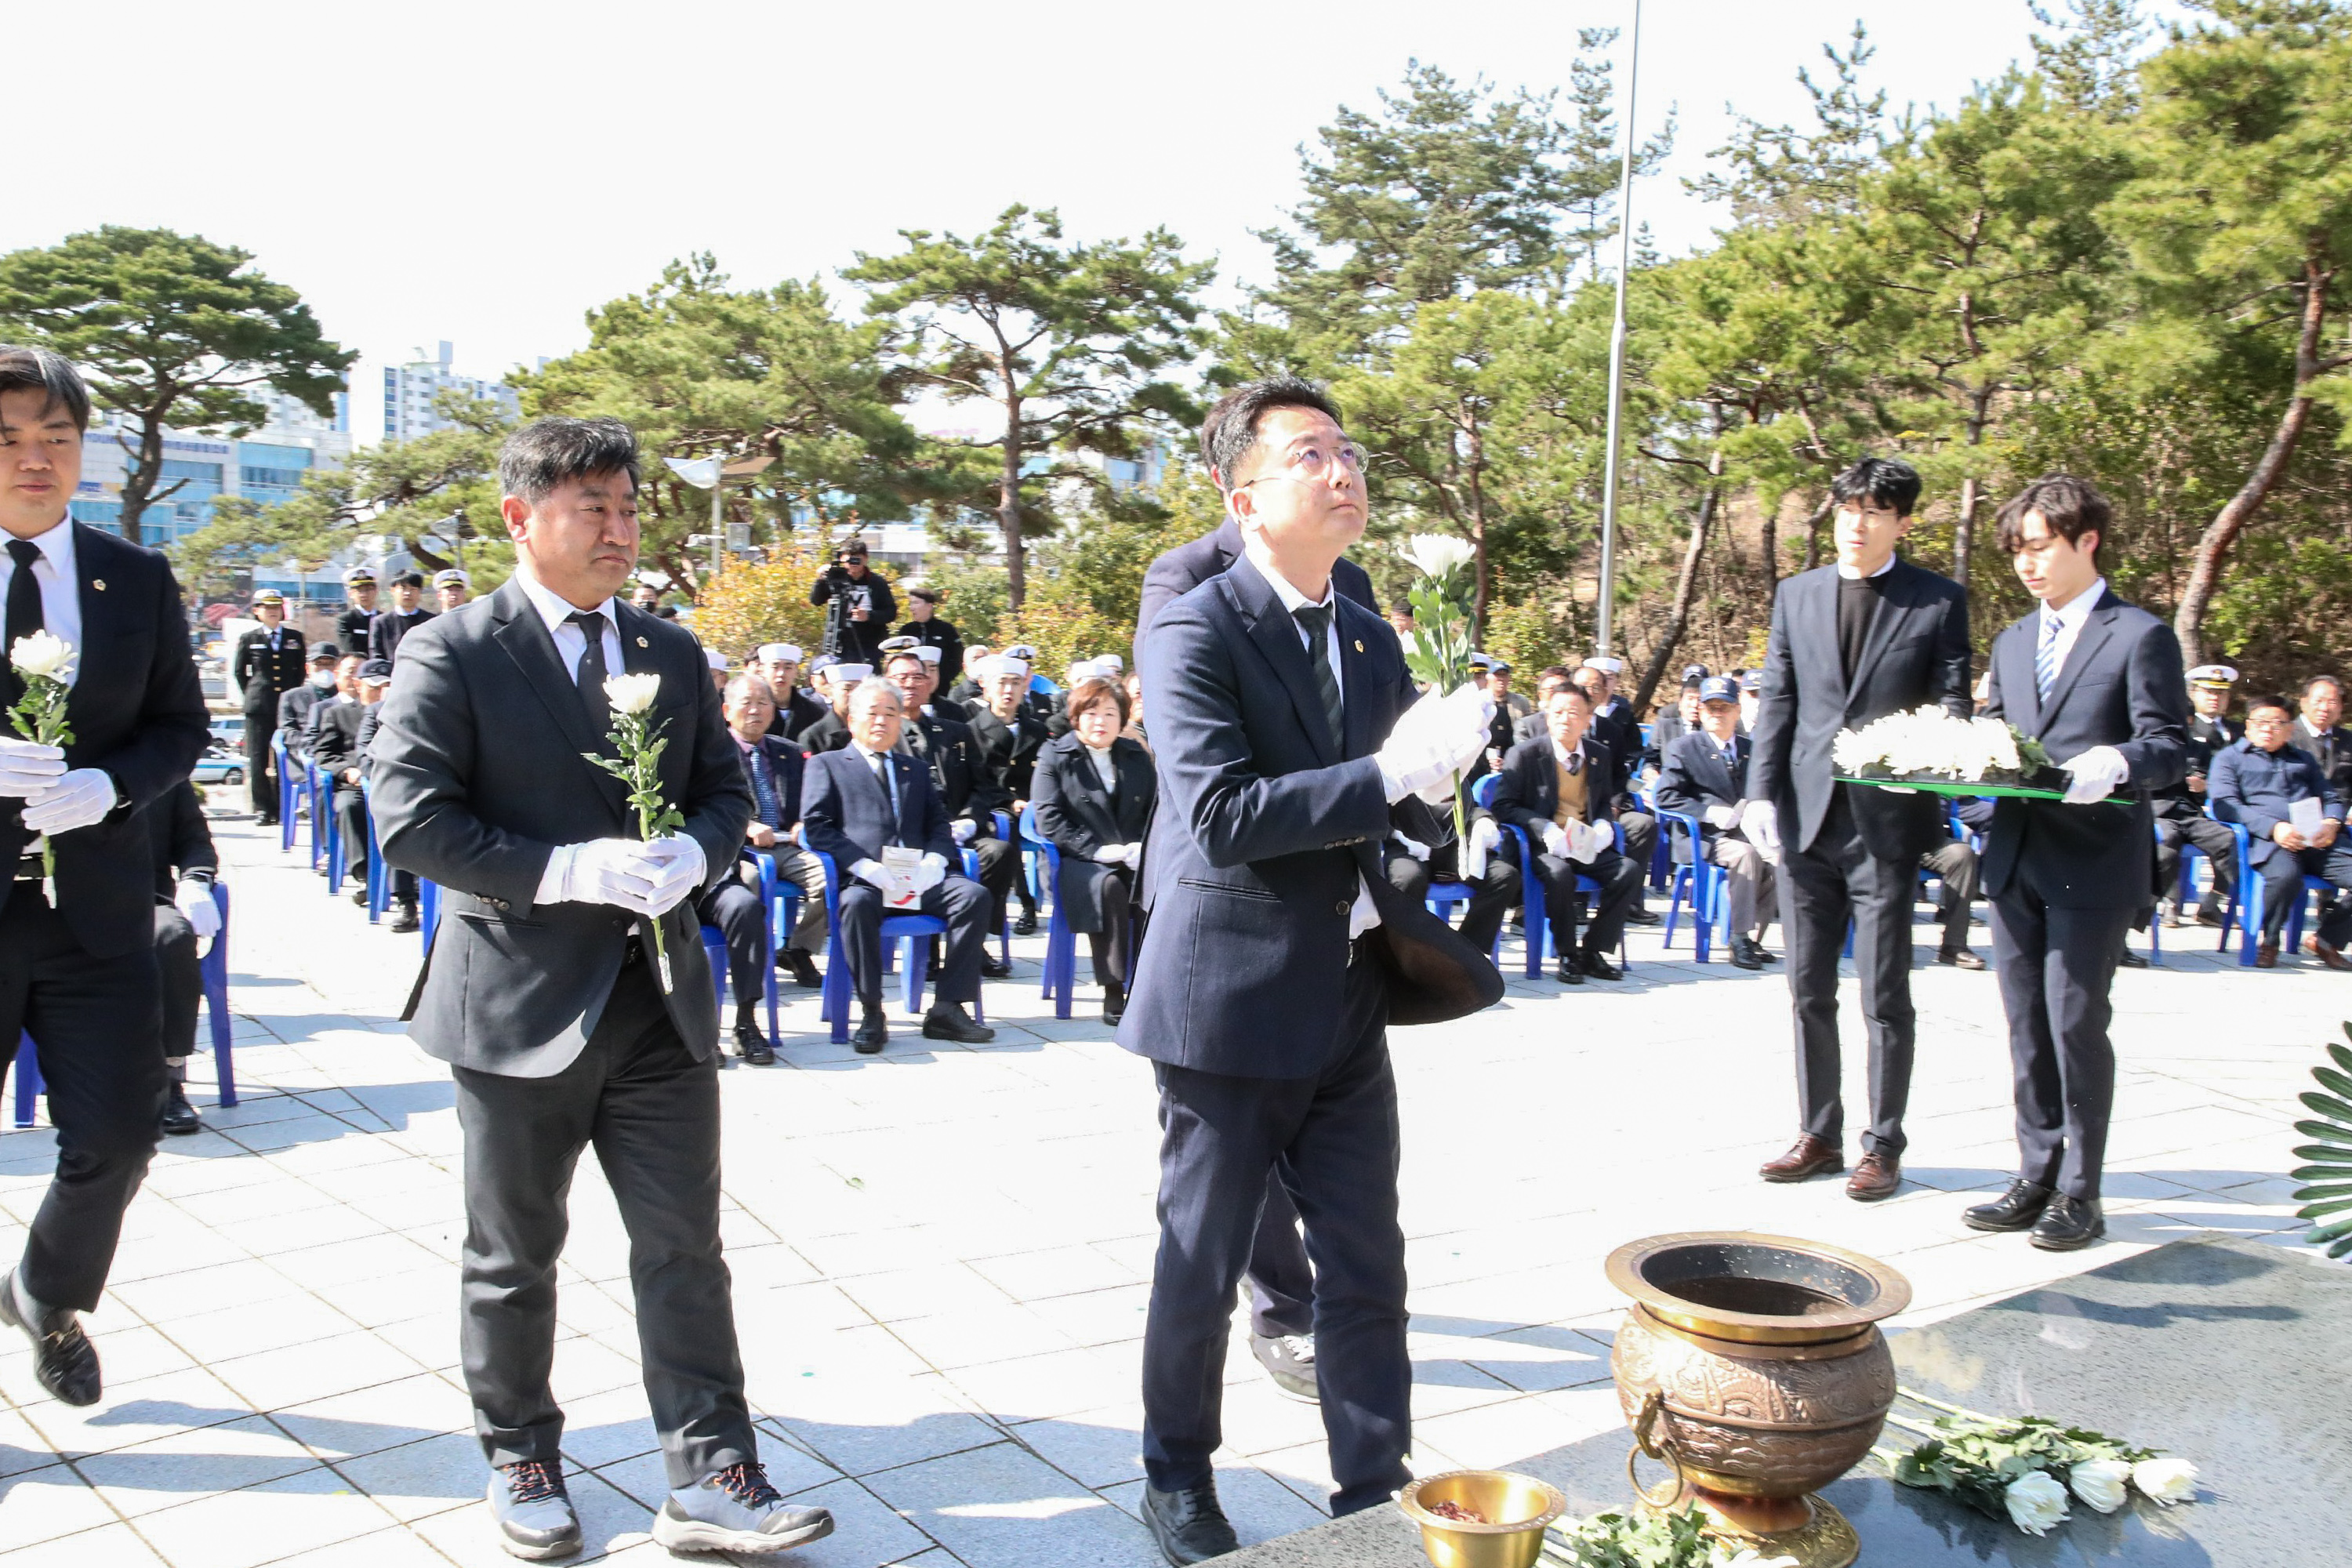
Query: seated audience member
x: 2257, y: 783
x: 773, y: 769
x: 295, y: 708
x: 453, y: 587
x: 1132, y: 681
x: 1557, y: 791
x: 646, y: 596
x: 1617, y: 731
x: 346, y: 686
x: 2180, y: 810
x: 1010, y: 735
x: 1954, y: 865
x: 946, y: 745
x: 1412, y: 866
x: 969, y: 688
x: 1704, y: 776
x: 402, y: 893
x: 185, y: 918
x: 1095, y: 789
x: 2319, y: 732
x: 779, y: 666
x: 836, y: 682
x: 1751, y: 695
x: 718, y: 662
x: 868, y: 798
x: 1533, y: 726
x: 1682, y: 719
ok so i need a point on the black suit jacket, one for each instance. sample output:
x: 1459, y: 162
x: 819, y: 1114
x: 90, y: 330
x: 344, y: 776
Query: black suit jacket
x: 389, y: 627
x: 1176, y: 572
x: 351, y: 627
x: 1078, y: 817
x: 1693, y: 778
x: 846, y: 811
x: 1529, y: 791
x: 964, y: 786
x: 294, y: 710
x: 795, y: 713
x: 2332, y: 751
x: 335, y: 736
x: 2121, y: 686
x: 137, y: 712
x: 936, y: 633
x: 180, y: 842
x: 1915, y: 653
x: 265, y: 674
x: 827, y: 734
x: 1265, y: 832
x: 1009, y: 751
x: 479, y: 772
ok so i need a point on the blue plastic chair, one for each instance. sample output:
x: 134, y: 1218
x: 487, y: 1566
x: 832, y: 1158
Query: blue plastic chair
x: 1060, y: 976
x: 326, y: 833
x: 290, y: 789
x: 214, y: 970
x: 428, y: 912
x: 379, y: 879
x: 1701, y: 881
x: 914, y: 932
x: 2247, y: 908
x: 1531, y: 894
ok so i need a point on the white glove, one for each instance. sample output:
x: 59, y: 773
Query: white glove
x: 965, y: 830
x: 1759, y: 823
x: 75, y: 800
x: 1134, y: 856
x: 27, y: 769
x: 1411, y: 847
x: 193, y: 898
x: 874, y: 874
x: 617, y: 871
x: 1557, y: 843
x: 1433, y: 739
x: 1110, y: 854
x: 678, y: 870
x: 2093, y: 776
x: 930, y: 872
x: 1721, y: 817
x: 1484, y: 835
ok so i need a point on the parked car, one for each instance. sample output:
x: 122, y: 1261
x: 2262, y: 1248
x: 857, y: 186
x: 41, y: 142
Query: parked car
x: 228, y: 732
x: 221, y: 768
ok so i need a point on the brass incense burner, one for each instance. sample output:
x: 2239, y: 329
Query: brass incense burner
x: 1509, y: 1531
x: 1753, y: 1366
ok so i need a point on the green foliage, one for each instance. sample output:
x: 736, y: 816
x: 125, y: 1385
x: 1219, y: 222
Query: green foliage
x: 168, y: 328
x: 1674, y: 1539
x: 2326, y: 1173
x: 754, y: 602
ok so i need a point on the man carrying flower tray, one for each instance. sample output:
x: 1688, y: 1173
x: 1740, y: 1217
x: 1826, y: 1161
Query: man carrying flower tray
x: 100, y: 713
x: 557, y: 762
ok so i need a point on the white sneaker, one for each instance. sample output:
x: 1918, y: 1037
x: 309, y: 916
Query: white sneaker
x: 736, y: 1511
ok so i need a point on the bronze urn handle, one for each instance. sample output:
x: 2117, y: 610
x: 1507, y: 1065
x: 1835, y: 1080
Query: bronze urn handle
x: 1647, y: 1440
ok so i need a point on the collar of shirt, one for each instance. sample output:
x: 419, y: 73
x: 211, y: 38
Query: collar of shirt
x: 1850, y: 575
x: 571, y: 642
x: 60, y: 589
x: 1571, y: 760
x: 1293, y: 601
x: 2078, y: 608
x: 863, y: 750
x: 552, y: 608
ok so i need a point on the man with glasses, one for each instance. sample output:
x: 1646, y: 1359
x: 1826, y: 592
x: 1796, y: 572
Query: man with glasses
x: 2294, y: 818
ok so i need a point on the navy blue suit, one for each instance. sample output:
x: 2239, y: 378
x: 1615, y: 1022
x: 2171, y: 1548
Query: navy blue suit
x: 845, y: 813
x: 2066, y: 881
x: 1267, y: 1025
x: 2255, y: 787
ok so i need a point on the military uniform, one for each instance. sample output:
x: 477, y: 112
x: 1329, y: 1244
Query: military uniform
x: 267, y: 665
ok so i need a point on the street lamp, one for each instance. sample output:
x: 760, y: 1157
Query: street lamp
x: 1602, y: 619
x: 711, y: 474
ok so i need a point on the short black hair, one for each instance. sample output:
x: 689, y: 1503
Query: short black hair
x: 2281, y: 703
x: 409, y: 580
x: 2071, y: 508
x: 1230, y: 430
x: 552, y: 451
x: 49, y: 372
x: 1881, y: 481
x: 1692, y: 684
x: 1574, y: 690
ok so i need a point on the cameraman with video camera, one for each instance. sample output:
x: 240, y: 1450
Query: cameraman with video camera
x: 861, y: 605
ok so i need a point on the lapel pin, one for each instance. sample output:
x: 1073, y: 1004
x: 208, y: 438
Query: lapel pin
x: 1359, y: 645
x: 99, y: 584
x: 641, y: 642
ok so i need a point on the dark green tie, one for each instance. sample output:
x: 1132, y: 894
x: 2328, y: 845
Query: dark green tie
x: 1317, y: 620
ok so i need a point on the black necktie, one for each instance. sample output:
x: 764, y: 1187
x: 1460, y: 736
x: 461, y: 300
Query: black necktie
x: 25, y: 616
x: 887, y: 777
x: 1317, y: 619
x: 590, y: 677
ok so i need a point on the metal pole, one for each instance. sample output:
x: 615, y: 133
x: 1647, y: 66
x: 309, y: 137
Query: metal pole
x: 717, y: 510
x: 1604, y: 616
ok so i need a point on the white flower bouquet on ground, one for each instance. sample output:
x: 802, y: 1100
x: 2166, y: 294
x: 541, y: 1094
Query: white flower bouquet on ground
x: 1928, y: 748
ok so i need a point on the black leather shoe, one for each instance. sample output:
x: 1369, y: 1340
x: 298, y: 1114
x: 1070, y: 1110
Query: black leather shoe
x: 404, y: 919
x: 2209, y: 915
x: 1599, y: 968
x: 1746, y: 954
x: 1568, y: 971
x: 995, y: 968
x: 1026, y: 926
x: 948, y: 1021
x: 1638, y: 916
x: 752, y: 1046
x: 64, y: 1361
x: 2069, y: 1225
x: 2015, y: 1209
x: 533, y: 1511
x: 179, y: 1117
x: 1114, y: 1008
x: 1959, y: 958
x: 1189, y: 1526
x: 359, y: 895
x: 802, y: 969
x: 873, y: 1033
x: 2131, y: 960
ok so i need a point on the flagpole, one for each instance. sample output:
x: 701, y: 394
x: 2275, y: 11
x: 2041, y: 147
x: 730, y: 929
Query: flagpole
x: 1604, y: 615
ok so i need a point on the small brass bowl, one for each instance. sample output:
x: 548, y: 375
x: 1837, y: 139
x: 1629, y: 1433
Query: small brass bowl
x: 1520, y: 1506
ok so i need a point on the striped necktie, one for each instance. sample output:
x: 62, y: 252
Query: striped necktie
x: 2045, y: 656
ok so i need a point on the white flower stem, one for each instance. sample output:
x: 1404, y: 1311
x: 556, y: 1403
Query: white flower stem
x: 1966, y: 1415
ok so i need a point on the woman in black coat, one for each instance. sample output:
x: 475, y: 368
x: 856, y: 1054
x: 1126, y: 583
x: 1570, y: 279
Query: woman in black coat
x: 1093, y: 792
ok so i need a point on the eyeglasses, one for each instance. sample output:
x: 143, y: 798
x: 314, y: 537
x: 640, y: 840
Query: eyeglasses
x: 1311, y: 465
x: 2270, y: 723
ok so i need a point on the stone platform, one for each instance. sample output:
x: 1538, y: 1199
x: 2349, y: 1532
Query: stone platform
x: 2229, y: 1355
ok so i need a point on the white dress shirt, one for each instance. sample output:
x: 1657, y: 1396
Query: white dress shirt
x: 1850, y: 575
x: 571, y: 642
x: 60, y: 589
x: 2071, y: 621
x: 1363, y: 915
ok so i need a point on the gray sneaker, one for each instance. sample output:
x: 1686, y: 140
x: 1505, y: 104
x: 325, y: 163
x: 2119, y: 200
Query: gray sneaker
x: 1289, y: 1359
x: 534, y: 1514
x: 736, y: 1511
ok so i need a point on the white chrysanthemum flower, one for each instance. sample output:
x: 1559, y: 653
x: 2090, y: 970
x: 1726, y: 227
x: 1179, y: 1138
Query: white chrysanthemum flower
x: 2101, y: 1483
x: 2035, y: 1501
x: 42, y: 654
x: 1435, y: 554
x: 632, y: 694
x: 2165, y: 1480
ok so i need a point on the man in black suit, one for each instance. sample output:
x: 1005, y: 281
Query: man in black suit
x: 294, y: 709
x: 837, y: 682
x: 1683, y: 718
x: 336, y: 748
x: 359, y: 614
x: 2181, y: 817
x: 2319, y: 731
x: 267, y: 665
x: 1009, y: 736
x: 1617, y: 730
x: 944, y: 743
x: 1704, y: 776
x: 407, y: 614
x: 78, y: 969
x: 1851, y: 643
x: 2258, y: 783
x: 544, y: 991
x: 186, y: 863
x: 872, y: 796
x: 1281, y: 1277
x: 1559, y: 792
x: 2097, y: 681
x: 1278, y: 956
x: 795, y: 710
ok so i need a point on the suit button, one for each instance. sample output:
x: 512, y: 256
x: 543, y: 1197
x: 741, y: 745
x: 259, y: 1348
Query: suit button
x: 1340, y: 907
